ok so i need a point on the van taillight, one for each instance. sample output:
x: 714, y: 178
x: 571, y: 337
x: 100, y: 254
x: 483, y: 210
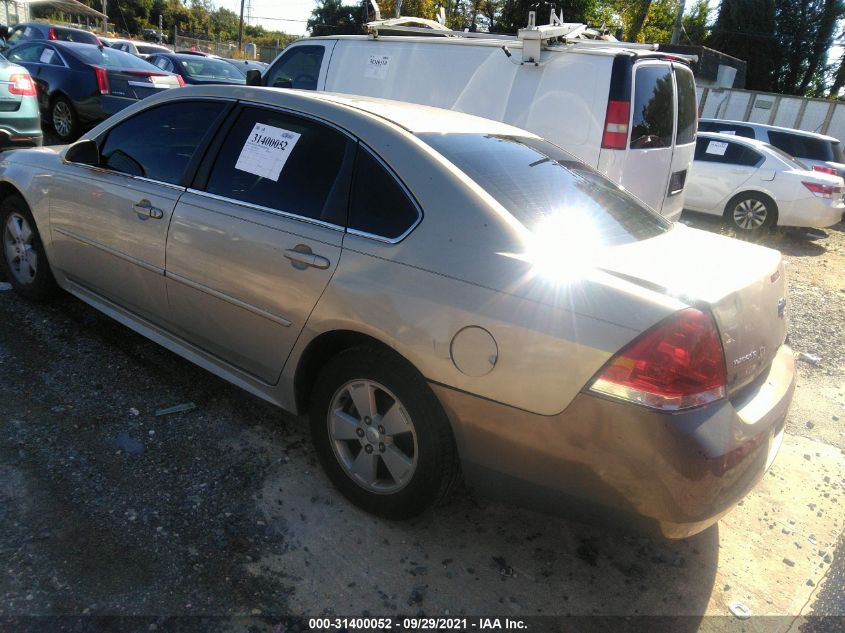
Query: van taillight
x: 102, y: 80
x: 677, y: 364
x: 616, y: 125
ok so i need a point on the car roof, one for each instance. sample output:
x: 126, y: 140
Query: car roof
x: 775, y: 128
x: 742, y: 140
x: 408, y: 116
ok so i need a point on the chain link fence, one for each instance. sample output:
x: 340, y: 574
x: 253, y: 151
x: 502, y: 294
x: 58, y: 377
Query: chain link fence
x: 227, y: 49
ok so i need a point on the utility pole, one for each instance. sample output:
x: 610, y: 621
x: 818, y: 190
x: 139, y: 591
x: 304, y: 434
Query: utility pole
x: 105, y: 19
x: 160, y: 28
x: 241, y: 30
x: 398, y: 9
x: 676, y: 32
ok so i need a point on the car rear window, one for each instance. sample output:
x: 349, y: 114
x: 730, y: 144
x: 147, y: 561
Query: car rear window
x: 72, y: 35
x: 536, y: 181
x: 111, y: 58
x: 654, y: 107
x: 687, y: 107
x: 802, y: 146
x: 726, y: 128
x: 205, y: 68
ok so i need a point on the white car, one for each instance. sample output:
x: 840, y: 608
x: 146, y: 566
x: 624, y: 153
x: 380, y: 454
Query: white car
x: 755, y: 185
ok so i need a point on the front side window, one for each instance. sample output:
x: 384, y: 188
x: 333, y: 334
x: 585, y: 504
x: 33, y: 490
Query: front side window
x: 654, y: 108
x: 379, y: 205
x: 801, y: 146
x: 547, y: 190
x: 298, y: 68
x: 16, y: 35
x: 282, y: 162
x: 687, y: 107
x: 726, y: 152
x: 159, y: 143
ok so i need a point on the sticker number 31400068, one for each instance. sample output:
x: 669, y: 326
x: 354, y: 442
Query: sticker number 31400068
x: 266, y: 151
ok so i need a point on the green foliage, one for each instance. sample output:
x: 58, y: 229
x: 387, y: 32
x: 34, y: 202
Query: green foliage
x: 332, y: 17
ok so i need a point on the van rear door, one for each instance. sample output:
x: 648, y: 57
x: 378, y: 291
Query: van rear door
x: 648, y: 160
x: 684, y: 146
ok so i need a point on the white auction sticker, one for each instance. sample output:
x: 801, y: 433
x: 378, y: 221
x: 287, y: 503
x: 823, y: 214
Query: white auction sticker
x: 728, y: 132
x: 266, y: 151
x: 47, y: 55
x: 377, y: 66
x: 716, y: 147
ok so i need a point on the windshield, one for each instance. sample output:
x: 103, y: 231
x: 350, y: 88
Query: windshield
x: 545, y: 188
x: 205, y: 68
x: 111, y: 58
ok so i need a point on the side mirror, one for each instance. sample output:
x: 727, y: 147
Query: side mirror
x: 4, y: 31
x: 253, y: 77
x: 83, y: 152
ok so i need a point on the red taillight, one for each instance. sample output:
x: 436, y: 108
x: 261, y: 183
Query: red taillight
x: 616, y: 125
x: 51, y: 34
x: 22, y: 85
x: 180, y: 80
x: 102, y: 80
x: 825, y: 170
x: 821, y: 191
x: 677, y: 364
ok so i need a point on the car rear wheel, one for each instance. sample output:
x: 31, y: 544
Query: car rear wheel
x: 751, y: 212
x: 64, y: 119
x: 24, y: 262
x: 381, y: 435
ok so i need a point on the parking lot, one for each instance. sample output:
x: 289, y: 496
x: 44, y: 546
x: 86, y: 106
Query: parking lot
x: 111, y: 508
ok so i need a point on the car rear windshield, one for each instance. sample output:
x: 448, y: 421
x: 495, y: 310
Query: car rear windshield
x: 205, y: 68
x: 112, y: 58
x: 802, y: 146
x: 72, y: 35
x: 538, y: 182
x: 146, y: 49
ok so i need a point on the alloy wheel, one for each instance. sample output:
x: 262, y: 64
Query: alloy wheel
x: 19, y: 249
x: 62, y: 119
x: 750, y: 214
x: 372, y: 436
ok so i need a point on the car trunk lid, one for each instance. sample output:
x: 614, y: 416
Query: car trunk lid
x: 135, y: 84
x: 742, y: 284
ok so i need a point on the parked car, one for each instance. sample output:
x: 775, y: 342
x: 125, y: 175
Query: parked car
x: 80, y: 84
x: 151, y: 35
x: 197, y: 70
x: 141, y: 49
x: 433, y: 288
x: 26, y: 31
x: 245, y: 65
x: 819, y: 151
x: 754, y: 185
x: 20, y: 121
x: 613, y: 105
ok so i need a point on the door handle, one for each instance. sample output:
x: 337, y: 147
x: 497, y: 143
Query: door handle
x: 145, y: 208
x: 302, y: 258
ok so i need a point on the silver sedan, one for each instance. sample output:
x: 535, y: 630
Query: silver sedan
x: 439, y: 293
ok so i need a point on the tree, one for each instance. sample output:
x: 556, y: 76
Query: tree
x: 514, y: 13
x: 805, y: 30
x: 331, y: 17
x: 747, y: 29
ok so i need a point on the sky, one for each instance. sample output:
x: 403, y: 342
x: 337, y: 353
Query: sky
x: 289, y: 16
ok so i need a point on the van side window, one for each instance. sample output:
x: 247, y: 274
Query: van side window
x: 654, y: 108
x: 687, y: 107
x: 298, y: 68
x: 311, y: 178
x: 734, y: 154
x: 379, y: 205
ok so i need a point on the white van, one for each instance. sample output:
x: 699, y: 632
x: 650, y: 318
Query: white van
x: 622, y: 108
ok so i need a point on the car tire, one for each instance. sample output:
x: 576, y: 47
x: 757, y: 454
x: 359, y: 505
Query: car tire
x: 396, y: 456
x: 23, y: 259
x: 751, y: 211
x: 64, y: 119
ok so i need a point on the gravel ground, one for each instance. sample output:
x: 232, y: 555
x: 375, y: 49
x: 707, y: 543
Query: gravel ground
x: 221, y: 511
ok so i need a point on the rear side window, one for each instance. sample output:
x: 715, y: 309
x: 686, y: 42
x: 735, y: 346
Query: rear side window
x: 379, y: 205
x: 687, y: 107
x: 802, y: 146
x: 72, y: 35
x: 297, y: 68
x: 158, y: 143
x: 726, y: 128
x: 654, y: 108
x: 546, y: 189
x: 310, y: 179
x: 109, y: 58
x: 724, y: 151
x: 27, y: 54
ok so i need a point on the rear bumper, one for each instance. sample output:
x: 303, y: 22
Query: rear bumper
x: 606, y: 461
x: 812, y: 212
x: 21, y: 138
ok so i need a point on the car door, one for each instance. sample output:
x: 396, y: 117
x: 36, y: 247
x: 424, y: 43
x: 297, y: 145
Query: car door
x: 302, y: 67
x: 648, y: 161
x: 719, y: 169
x: 254, y: 242
x: 109, y: 222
